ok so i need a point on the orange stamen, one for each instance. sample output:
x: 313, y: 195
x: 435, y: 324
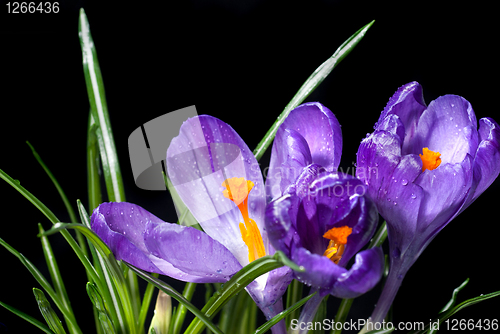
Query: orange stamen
x: 338, y: 240
x: 237, y: 190
x: 430, y: 159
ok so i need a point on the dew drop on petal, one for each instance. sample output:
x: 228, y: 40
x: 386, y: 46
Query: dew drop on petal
x: 404, y: 182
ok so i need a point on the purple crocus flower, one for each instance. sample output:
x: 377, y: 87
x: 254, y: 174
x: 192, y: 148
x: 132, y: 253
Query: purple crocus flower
x: 320, y: 218
x: 220, y: 182
x: 321, y: 222
x: 423, y: 165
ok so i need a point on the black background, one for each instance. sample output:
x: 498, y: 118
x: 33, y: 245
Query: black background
x: 242, y: 62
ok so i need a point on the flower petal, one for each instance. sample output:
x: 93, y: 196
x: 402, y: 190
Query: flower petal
x: 449, y: 127
x: 487, y: 161
x: 278, y: 224
x: 191, y: 251
x: 206, y: 152
x: 446, y: 189
x: 363, y: 275
x: 319, y: 272
x: 320, y: 129
x: 408, y: 104
x: 122, y: 227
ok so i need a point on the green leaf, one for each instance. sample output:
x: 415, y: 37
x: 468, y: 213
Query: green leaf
x: 97, y: 301
x: 379, y: 237
x: 55, y: 275
x: 64, y: 198
x: 28, y: 318
x: 450, y: 311
x: 39, y: 205
x: 342, y: 312
x: 48, y: 313
x: 293, y: 295
x: 93, y: 165
x: 310, y: 85
x: 265, y: 327
x: 175, y: 294
x: 454, y: 296
x: 238, y: 282
x: 119, y: 281
x: 69, y: 316
x: 146, y: 301
x: 99, y: 109
x: 180, y: 313
x: 105, y: 282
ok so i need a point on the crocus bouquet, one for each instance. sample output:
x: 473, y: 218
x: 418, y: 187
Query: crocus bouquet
x: 279, y: 245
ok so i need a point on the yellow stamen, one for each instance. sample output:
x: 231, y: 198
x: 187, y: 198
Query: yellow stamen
x: 430, y: 159
x: 338, y: 240
x: 237, y: 190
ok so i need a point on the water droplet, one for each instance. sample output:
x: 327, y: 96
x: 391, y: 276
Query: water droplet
x: 395, y: 203
x: 404, y: 182
x: 219, y: 271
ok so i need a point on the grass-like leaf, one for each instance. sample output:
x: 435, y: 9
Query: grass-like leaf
x: 97, y: 301
x: 105, y: 285
x: 267, y: 326
x: 55, y: 275
x: 28, y: 318
x: 129, y: 313
x: 99, y: 109
x: 450, y: 310
x: 176, y: 295
x: 310, y: 85
x: 48, y: 313
x: 180, y: 314
x: 454, y: 295
x: 45, y: 285
x: 53, y: 219
x: 238, y: 282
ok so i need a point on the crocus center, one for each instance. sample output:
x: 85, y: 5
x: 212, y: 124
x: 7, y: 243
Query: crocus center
x: 338, y: 240
x: 430, y: 159
x: 237, y: 190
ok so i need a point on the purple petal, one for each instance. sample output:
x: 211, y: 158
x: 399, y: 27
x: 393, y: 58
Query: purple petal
x: 296, y: 156
x: 275, y: 286
x: 487, y: 161
x: 122, y: 227
x: 278, y: 224
x: 448, y: 126
x: 320, y: 129
x: 363, y: 275
x: 378, y: 155
x: 399, y: 200
x: 320, y: 272
x: 408, y: 104
x: 206, y: 152
x: 191, y: 251
x: 445, y: 190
